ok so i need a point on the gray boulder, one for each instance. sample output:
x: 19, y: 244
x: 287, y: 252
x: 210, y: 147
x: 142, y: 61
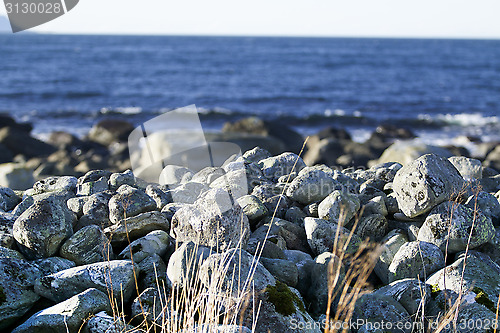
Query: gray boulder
x: 215, y: 220
x: 53, y: 265
x: 51, y: 184
x: 481, y: 274
x: 153, y: 273
x: 137, y: 226
x: 234, y: 272
x: 252, y: 207
x: 283, y: 270
x: 16, y: 289
x: 324, y: 266
x: 378, y: 308
x: 412, y: 294
x: 188, y: 192
x: 486, y: 203
x: 184, y: 263
x: 405, y: 152
x: 87, y: 246
x: 96, y: 211
x: 321, y: 235
x: 275, y: 167
x: 161, y: 196
x: 416, y: 260
x: 90, y: 187
x: 67, y: 316
x: 102, y: 322
x: 128, y: 202
x: 6, y: 224
x: 391, y: 244
x: 424, y: 183
x: 373, y: 226
x: 8, y: 199
x: 118, y: 179
x: 115, y: 276
x: 339, y: 207
x: 449, y: 226
x: 156, y: 242
x: 469, y: 168
x: 42, y: 228
x: 311, y: 186
x: 153, y: 308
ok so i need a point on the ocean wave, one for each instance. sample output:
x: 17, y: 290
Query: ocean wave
x: 461, y: 119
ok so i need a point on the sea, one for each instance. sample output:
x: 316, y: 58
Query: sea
x: 441, y: 89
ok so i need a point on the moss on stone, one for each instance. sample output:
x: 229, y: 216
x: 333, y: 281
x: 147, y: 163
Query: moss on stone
x: 435, y: 289
x: 482, y: 298
x: 284, y: 300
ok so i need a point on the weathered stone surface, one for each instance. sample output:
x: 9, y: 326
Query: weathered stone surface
x: 87, y: 246
x: 137, y: 226
x: 317, y: 292
x: 480, y: 272
x: 153, y: 273
x: 486, y: 203
x: 425, y: 183
x: 8, y: 199
x: 16, y: 289
x: 76, y: 204
x: 188, y: 192
x: 240, y: 267
x: 449, y: 226
x: 469, y: 168
x: 116, y: 276
x: 252, y: 207
x: 68, y: 315
x: 53, y: 265
x: 42, y: 228
x: 93, y: 186
x: 6, y: 224
x: 156, y: 242
x: 373, y: 226
x: 96, y: 211
x: 283, y: 270
x: 159, y: 195
x: 275, y: 167
x: 185, y: 262
x: 129, y: 202
x: 416, y: 260
x: 256, y: 154
x: 380, y: 308
x: 174, y: 174
x: 311, y: 186
x: 405, y: 152
x: 16, y: 176
x: 391, y: 243
x: 339, y: 207
x: 412, y: 294
x: 118, y: 179
x: 102, y: 322
x: 151, y: 307
x: 214, y: 220
x: 321, y: 236
x: 50, y: 184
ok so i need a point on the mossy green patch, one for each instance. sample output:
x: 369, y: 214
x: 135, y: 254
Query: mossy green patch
x: 435, y: 289
x: 284, y: 300
x: 482, y: 298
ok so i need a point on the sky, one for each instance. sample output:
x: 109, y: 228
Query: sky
x: 349, y: 18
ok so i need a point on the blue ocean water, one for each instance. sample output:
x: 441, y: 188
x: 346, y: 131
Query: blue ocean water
x: 440, y: 88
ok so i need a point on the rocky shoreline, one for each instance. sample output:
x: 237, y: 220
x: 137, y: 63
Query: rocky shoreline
x: 269, y: 241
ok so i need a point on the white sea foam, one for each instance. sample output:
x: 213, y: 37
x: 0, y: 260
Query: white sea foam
x: 462, y: 119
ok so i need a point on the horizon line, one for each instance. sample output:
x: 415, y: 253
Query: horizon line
x: 131, y: 34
